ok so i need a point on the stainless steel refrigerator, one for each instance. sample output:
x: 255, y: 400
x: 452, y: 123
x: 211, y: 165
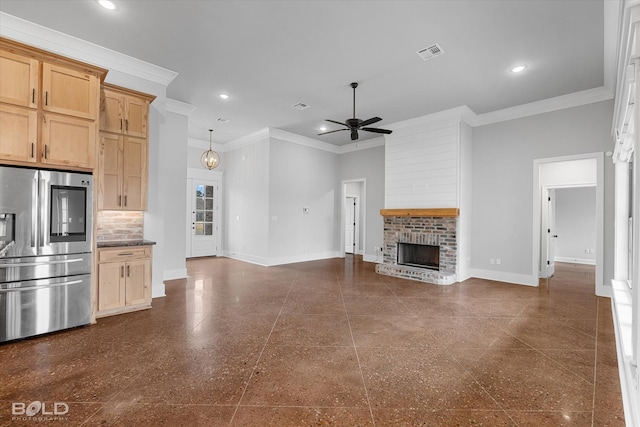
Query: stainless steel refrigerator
x: 45, y: 251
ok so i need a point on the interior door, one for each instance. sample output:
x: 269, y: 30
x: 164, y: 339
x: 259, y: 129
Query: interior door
x: 350, y: 226
x: 204, y: 218
x: 551, y: 231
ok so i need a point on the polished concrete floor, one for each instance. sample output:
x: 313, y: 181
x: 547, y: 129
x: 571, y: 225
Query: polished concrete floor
x: 329, y: 343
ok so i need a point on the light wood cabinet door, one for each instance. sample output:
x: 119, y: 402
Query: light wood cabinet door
x: 135, y: 174
x: 18, y: 133
x: 71, y: 92
x: 111, y: 286
x: 68, y: 141
x: 111, y: 112
x: 18, y: 79
x: 136, y: 112
x: 110, y: 172
x: 138, y: 275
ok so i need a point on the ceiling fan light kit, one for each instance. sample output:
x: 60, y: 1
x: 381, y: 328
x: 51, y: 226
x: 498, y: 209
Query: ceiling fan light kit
x: 354, y: 124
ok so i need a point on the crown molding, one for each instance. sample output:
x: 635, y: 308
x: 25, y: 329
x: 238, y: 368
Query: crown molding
x: 451, y: 115
x: 247, y: 140
x: 302, y: 140
x: 63, y: 44
x: 204, y: 145
x: 548, y: 105
x: 362, y: 145
x: 179, y: 107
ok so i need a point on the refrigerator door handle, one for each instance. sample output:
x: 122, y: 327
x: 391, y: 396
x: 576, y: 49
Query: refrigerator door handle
x: 36, y: 264
x: 43, y: 220
x: 31, y: 288
x: 34, y: 211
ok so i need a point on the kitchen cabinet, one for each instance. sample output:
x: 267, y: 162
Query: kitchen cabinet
x: 48, y: 108
x: 124, y: 279
x: 19, y: 133
x: 122, y: 172
x: 124, y: 111
x: 123, y: 157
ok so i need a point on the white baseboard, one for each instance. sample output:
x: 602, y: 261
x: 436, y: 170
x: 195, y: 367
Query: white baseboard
x: 502, y: 276
x: 178, y: 273
x: 247, y: 258
x: 266, y: 262
x: 303, y: 258
x: 575, y: 260
x: 372, y: 258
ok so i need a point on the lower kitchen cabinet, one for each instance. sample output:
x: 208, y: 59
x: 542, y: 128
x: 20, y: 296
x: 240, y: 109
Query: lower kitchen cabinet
x: 124, y: 279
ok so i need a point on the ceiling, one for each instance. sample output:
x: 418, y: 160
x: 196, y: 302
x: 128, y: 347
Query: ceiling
x: 270, y: 55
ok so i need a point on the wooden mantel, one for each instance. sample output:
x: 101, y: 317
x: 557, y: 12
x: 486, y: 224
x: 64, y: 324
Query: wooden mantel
x: 444, y: 212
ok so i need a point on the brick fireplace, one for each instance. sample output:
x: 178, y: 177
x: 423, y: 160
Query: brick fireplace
x: 437, y: 227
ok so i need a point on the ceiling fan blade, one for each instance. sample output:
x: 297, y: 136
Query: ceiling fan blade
x: 332, y: 131
x: 338, y: 123
x: 376, y: 130
x: 371, y: 121
x: 354, y: 134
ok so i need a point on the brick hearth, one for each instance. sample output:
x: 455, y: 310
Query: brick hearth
x: 427, y: 230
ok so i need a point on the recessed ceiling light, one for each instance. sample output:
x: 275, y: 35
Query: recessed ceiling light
x: 224, y: 96
x: 518, y: 68
x: 108, y: 4
x: 323, y: 128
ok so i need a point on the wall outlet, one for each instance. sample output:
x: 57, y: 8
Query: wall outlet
x: 492, y: 261
x: 305, y: 210
x: 497, y: 260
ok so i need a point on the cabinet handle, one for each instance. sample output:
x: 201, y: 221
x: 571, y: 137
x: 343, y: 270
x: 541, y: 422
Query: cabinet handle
x: 125, y: 201
x: 128, y: 271
x: 120, y: 124
x: 33, y: 96
x: 119, y: 200
x: 33, y: 150
x: 46, y: 152
x: 46, y: 98
x: 122, y: 271
x: 126, y: 123
x: 125, y: 253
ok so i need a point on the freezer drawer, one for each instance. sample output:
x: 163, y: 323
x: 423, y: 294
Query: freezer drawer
x: 42, y: 267
x: 39, y: 306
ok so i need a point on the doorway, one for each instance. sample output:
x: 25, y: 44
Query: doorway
x: 353, y: 216
x: 550, y: 175
x: 203, y: 218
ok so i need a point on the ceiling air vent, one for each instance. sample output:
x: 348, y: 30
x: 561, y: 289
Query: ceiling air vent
x: 301, y: 106
x: 431, y: 51
x: 222, y: 120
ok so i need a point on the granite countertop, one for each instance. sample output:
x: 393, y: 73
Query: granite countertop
x: 117, y: 243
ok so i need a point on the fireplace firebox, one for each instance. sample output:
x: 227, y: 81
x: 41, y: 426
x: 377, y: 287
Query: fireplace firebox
x: 424, y: 256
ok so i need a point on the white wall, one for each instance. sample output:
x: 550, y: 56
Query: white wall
x: 173, y: 175
x: 575, y: 224
x: 369, y: 165
x: 502, y: 193
x: 465, y: 180
x: 245, y: 229
x: 302, y: 177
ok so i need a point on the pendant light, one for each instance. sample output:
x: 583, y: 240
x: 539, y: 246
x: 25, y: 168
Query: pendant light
x: 210, y: 159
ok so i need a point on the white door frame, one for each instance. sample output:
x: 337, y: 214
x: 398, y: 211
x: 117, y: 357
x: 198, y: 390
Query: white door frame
x: 363, y: 209
x: 600, y: 288
x: 203, y: 175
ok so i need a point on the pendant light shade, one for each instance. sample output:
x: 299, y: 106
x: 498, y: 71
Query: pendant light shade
x: 210, y: 159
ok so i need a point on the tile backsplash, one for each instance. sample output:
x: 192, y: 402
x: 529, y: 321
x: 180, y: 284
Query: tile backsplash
x: 119, y: 225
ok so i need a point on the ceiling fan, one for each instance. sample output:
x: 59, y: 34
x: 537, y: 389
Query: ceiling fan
x: 354, y: 124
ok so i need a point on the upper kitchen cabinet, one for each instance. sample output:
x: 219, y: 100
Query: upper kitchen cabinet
x: 70, y: 92
x: 123, y: 157
x: 19, y: 82
x: 49, y: 108
x: 124, y: 111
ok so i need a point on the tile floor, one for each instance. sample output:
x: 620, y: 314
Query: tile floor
x: 330, y: 343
